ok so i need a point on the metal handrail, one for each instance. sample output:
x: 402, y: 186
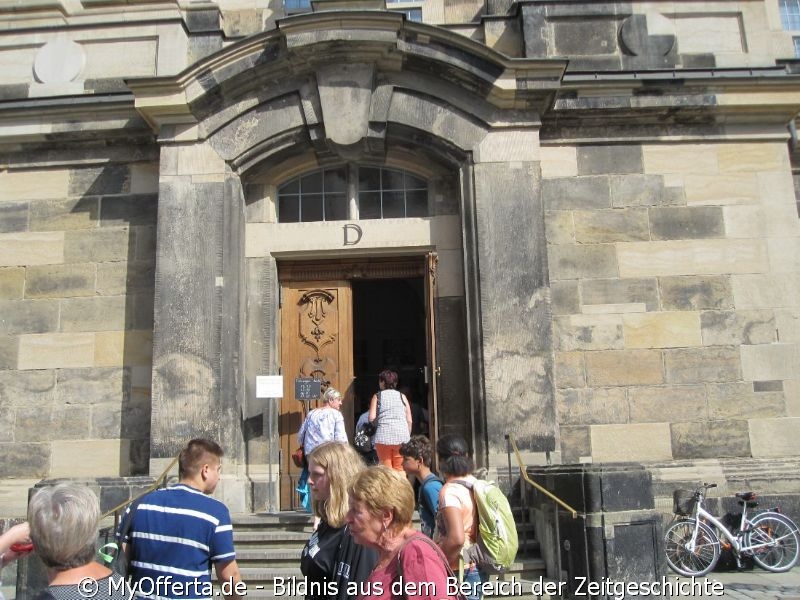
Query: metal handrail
x: 524, y: 474
x: 159, y: 480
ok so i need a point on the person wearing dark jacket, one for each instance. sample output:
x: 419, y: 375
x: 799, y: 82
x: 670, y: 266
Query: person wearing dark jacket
x: 331, y: 559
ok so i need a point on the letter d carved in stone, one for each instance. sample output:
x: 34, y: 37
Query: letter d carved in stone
x: 358, y: 232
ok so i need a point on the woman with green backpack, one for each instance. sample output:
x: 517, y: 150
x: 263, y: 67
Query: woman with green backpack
x: 457, y: 517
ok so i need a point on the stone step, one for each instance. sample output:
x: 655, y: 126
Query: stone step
x: 268, y: 557
x: 269, y: 537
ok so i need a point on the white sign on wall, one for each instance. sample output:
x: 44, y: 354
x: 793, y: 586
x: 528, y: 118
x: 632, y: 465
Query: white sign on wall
x: 269, y: 386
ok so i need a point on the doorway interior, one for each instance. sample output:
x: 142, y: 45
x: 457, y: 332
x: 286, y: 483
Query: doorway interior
x: 342, y: 322
x: 389, y: 332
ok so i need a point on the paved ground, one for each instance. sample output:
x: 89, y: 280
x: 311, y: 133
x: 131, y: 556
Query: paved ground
x: 757, y: 584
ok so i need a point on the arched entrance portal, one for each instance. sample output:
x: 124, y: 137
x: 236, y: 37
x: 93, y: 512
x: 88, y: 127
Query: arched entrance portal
x: 326, y: 90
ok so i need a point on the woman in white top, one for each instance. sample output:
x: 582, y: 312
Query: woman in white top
x: 323, y: 424
x: 457, y: 516
x: 391, y: 413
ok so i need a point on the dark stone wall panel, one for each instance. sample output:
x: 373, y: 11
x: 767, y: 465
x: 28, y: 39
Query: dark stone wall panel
x: 585, y: 37
x: 517, y: 349
x: 602, y: 160
x: 687, y: 222
x: 13, y: 216
x: 186, y: 341
x: 24, y: 460
x: 454, y: 410
x: 710, y: 439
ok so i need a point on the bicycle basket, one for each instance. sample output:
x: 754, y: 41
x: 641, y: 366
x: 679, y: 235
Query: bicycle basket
x: 683, y: 502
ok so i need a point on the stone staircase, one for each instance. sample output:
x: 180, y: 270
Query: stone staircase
x: 268, y: 553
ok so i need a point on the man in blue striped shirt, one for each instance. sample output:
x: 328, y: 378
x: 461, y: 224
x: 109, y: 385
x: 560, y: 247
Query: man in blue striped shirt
x: 178, y: 532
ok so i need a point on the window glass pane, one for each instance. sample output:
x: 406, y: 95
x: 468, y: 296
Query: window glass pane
x: 295, y: 5
x: 369, y: 205
x: 311, y: 184
x: 796, y: 41
x: 335, y: 181
x: 369, y: 179
x: 312, y: 208
x: 290, y: 187
x: 289, y: 209
x: 392, y: 180
x: 790, y: 14
x: 415, y: 183
x: 417, y: 204
x: 335, y: 207
x: 322, y: 195
x: 393, y: 205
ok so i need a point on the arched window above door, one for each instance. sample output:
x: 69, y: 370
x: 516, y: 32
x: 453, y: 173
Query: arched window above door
x: 352, y: 192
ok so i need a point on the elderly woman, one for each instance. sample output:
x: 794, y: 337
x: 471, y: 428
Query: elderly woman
x: 457, y: 516
x: 381, y: 504
x: 323, y: 424
x: 64, y: 523
x: 390, y: 411
x: 331, y: 559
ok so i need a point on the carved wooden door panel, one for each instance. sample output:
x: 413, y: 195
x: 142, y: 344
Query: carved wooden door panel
x: 316, y: 341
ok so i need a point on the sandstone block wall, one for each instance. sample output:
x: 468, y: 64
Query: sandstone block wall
x: 675, y: 304
x: 76, y: 319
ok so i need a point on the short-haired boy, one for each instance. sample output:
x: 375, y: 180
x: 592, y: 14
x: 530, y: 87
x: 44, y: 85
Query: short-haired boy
x: 417, y: 454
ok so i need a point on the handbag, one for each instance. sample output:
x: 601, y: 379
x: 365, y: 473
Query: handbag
x: 363, y: 437
x: 362, y: 440
x: 298, y: 456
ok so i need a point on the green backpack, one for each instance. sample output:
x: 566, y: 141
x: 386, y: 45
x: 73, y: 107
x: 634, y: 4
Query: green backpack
x: 497, y: 532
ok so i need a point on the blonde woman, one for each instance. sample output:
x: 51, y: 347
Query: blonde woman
x: 331, y: 560
x: 381, y: 505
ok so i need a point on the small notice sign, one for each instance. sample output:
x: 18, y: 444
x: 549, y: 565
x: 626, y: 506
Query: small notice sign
x: 269, y: 386
x: 306, y: 388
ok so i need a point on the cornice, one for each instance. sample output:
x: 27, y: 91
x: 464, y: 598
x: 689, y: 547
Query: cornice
x: 302, y: 44
x: 70, y: 118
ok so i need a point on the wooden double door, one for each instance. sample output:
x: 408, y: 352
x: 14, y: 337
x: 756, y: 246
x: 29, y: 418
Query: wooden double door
x: 317, y: 324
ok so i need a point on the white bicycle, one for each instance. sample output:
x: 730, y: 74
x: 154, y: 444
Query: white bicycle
x: 692, y: 542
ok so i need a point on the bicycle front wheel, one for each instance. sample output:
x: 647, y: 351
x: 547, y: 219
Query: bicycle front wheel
x: 689, y: 554
x: 773, y: 541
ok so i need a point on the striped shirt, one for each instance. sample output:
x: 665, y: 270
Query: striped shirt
x: 177, y: 533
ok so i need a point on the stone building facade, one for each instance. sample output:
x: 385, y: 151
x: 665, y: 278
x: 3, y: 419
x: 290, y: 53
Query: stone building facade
x: 598, y: 250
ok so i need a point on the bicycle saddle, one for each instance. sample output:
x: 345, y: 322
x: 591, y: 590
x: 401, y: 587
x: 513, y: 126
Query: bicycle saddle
x: 747, y: 498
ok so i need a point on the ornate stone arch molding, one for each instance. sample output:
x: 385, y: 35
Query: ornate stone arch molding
x: 336, y: 79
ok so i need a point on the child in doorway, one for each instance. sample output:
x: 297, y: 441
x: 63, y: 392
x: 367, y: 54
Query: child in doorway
x: 417, y: 453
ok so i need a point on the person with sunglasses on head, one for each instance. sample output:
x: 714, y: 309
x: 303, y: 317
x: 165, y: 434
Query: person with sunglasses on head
x: 64, y: 526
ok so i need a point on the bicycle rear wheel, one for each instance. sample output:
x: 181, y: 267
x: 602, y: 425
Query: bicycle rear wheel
x: 773, y: 541
x: 691, y: 558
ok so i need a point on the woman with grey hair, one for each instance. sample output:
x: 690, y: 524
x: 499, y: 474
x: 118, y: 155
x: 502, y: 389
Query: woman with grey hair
x: 64, y: 523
